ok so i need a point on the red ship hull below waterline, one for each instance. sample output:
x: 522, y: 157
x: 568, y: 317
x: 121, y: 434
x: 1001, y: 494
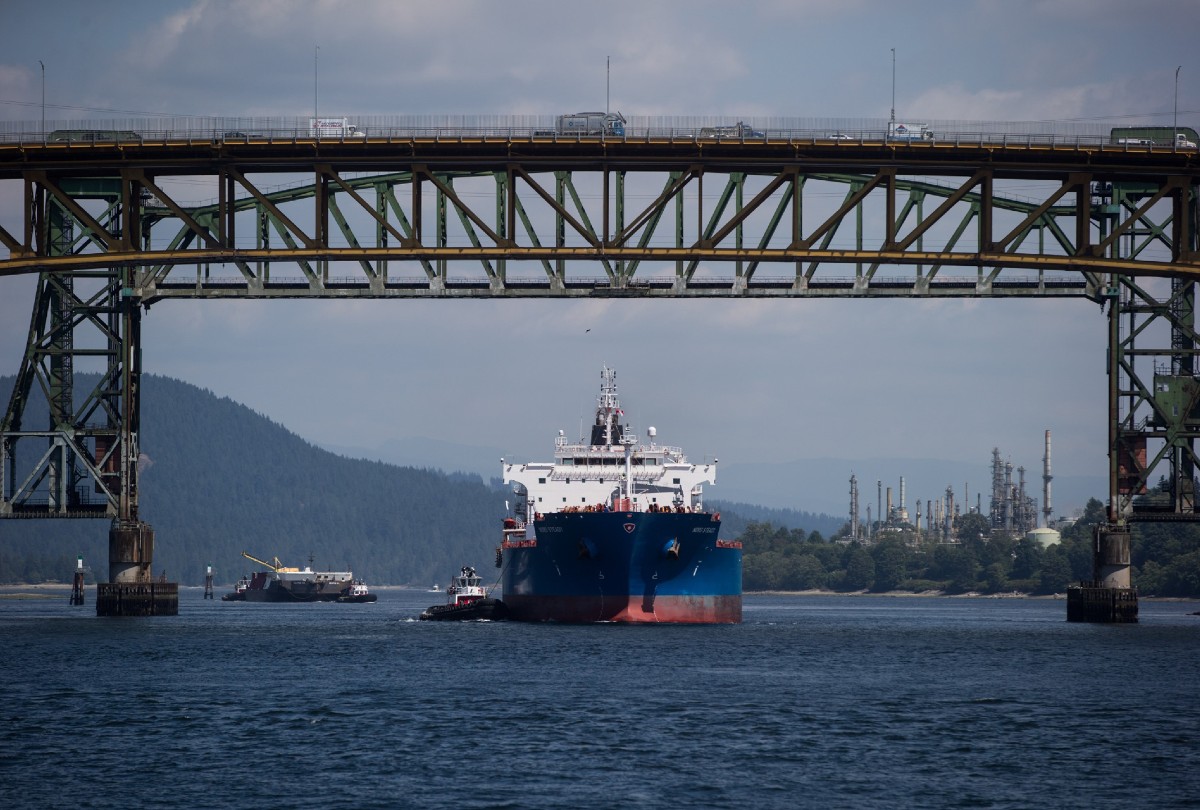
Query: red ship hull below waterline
x: 725, y: 609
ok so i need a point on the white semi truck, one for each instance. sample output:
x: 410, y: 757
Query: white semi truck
x: 333, y: 128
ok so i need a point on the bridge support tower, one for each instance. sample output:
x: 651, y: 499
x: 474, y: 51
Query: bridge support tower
x: 85, y: 321
x: 1108, y: 597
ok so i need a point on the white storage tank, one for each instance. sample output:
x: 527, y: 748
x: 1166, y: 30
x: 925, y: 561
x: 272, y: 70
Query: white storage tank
x: 1044, y: 537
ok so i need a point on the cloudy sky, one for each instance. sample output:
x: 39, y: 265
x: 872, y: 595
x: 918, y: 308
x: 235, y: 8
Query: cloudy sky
x: 745, y: 381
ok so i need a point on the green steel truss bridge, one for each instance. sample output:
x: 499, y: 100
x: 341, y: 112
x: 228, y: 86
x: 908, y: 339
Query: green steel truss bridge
x: 123, y: 220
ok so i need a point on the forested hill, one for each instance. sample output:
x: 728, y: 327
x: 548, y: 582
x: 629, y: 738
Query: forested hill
x: 220, y: 478
x: 736, y: 517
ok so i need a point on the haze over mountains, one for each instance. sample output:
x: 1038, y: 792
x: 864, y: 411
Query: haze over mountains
x: 814, y: 485
x: 219, y: 479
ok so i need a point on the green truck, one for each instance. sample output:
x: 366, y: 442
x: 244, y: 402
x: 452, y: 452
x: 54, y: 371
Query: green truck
x: 1180, y: 137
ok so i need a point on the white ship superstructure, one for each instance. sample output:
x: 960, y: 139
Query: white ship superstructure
x: 611, y: 469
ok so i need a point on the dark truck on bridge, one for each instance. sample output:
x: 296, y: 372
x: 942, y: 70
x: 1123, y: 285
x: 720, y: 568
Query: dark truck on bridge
x: 92, y: 135
x: 587, y: 123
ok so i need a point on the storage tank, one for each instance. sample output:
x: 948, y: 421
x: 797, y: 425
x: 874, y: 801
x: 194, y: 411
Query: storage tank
x: 1044, y: 537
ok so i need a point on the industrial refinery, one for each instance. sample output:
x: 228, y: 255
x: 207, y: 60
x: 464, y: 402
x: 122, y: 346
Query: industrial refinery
x: 1011, y: 511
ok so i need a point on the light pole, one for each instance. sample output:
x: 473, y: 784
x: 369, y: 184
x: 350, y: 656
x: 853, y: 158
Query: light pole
x: 1175, y: 123
x: 893, y: 118
x: 43, y: 64
x: 316, y: 54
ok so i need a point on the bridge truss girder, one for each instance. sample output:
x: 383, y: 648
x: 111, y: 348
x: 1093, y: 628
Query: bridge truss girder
x: 398, y: 234
x: 1154, y: 391
x: 714, y: 228
x: 89, y: 467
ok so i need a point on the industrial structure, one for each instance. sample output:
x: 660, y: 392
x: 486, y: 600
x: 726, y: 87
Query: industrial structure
x: 781, y: 209
x: 1012, y: 511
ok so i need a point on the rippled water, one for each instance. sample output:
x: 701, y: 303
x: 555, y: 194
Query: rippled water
x: 811, y: 702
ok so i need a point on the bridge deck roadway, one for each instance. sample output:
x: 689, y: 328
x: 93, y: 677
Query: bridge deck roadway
x: 1009, y: 157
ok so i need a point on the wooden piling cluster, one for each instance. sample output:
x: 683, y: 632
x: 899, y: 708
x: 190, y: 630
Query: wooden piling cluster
x: 137, y: 599
x: 1092, y: 602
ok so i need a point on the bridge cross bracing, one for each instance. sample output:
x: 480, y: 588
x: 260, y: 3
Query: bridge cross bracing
x: 112, y: 228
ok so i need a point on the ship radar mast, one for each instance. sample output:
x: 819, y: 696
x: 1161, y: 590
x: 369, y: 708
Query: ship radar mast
x: 607, y: 431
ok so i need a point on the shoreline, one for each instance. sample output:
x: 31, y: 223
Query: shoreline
x: 15, y: 590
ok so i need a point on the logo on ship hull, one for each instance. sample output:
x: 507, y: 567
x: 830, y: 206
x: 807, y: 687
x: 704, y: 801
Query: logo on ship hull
x: 629, y: 527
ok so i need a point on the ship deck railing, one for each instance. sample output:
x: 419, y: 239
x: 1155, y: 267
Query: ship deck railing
x: 599, y: 450
x: 593, y: 474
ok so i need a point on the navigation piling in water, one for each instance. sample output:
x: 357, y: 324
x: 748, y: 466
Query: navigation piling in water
x: 208, y: 583
x: 77, y: 583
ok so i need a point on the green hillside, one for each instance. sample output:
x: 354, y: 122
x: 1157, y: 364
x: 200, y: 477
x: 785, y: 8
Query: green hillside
x: 220, y: 478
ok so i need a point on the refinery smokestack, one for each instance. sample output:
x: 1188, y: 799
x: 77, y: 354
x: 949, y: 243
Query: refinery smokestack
x: 853, y: 507
x: 902, y: 493
x: 879, y: 495
x: 1047, y: 510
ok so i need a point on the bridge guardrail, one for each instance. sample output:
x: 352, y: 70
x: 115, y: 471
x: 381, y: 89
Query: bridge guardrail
x: 690, y: 135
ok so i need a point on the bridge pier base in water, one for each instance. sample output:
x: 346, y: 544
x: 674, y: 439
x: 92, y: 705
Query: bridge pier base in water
x: 137, y: 599
x: 131, y: 591
x: 1108, y: 597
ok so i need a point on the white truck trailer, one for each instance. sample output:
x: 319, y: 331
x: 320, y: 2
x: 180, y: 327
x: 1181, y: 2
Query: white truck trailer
x: 900, y: 131
x: 590, y: 123
x: 333, y: 128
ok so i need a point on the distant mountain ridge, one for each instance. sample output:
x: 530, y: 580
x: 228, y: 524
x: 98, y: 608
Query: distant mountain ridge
x: 816, y: 486
x: 234, y: 480
x: 412, y: 512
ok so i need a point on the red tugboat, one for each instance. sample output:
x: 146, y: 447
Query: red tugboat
x: 467, y: 600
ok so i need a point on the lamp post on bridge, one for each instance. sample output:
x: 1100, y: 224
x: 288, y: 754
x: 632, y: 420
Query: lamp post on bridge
x: 43, y: 64
x: 893, y: 118
x: 1175, y: 122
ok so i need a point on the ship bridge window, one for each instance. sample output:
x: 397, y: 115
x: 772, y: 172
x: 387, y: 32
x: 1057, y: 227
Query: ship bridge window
x: 541, y: 480
x: 674, y: 480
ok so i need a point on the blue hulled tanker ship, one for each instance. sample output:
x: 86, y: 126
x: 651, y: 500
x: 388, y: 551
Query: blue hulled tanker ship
x: 615, y: 530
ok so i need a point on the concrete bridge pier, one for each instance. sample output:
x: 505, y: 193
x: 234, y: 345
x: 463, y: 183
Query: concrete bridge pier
x: 1108, y: 597
x: 131, y: 589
